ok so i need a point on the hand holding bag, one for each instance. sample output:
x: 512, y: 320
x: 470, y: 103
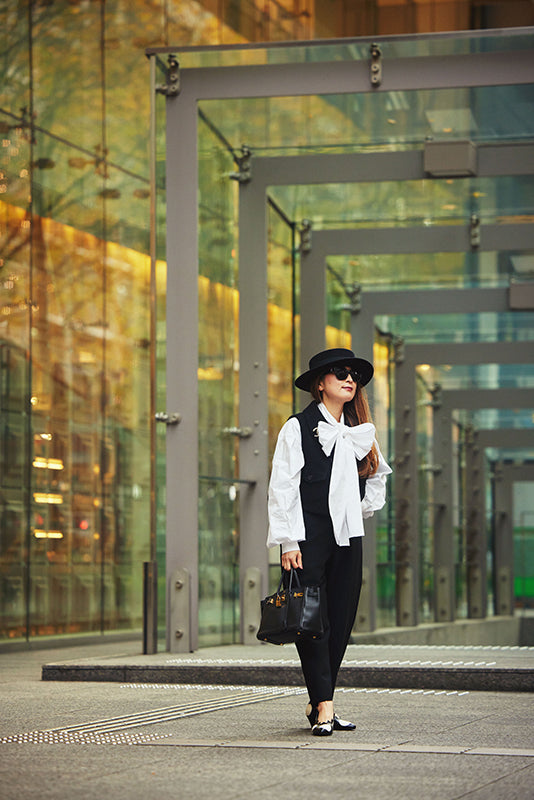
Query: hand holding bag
x: 293, y: 612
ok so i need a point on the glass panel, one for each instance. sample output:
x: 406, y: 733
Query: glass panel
x: 351, y: 49
x: 161, y: 344
x: 14, y: 86
x: 352, y: 123
x: 126, y: 487
x: 524, y: 545
x: 70, y: 526
x: 482, y: 327
x: 400, y: 204
x: 74, y: 337
x: 218, y: 388
x: 384, y: 519
x: 15, y: 377
x: 282, y: 272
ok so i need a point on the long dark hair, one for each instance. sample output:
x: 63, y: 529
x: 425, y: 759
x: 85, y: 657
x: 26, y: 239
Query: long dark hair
x: 356, y: 412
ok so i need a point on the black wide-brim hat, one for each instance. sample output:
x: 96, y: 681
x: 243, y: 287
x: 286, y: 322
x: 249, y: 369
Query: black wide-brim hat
x: 320, y: 363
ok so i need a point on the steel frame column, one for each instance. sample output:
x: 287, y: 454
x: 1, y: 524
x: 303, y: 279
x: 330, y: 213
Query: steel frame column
x: 406, y: 493
x: 476, y: 545
x: 253, y: 402
x: 443, y: 498
x: 504, y: 477
x: 481, y: 69
x: 182, y: 365
x: 476, y: 523
x: 451, y: 400
x: 406, y: 480
x: 279, y: 171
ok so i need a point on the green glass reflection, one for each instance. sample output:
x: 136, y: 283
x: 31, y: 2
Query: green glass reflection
x: 523, y: 546
x: 409, y: 203
x: 382, y: 393
x: 281, y: 277
x: 481, y: 327
x: 402, y: 271
x: 352, y: 123
x: 218, y: 391
x: 480, y: 376
x: 14, y: 86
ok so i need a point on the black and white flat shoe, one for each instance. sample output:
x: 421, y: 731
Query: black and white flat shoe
x: 312, y: 714
x: 343, y: 724
x: 323, y: 728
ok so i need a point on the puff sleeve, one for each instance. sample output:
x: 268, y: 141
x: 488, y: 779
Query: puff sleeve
x: 375, y: 488
x: 286, y: 521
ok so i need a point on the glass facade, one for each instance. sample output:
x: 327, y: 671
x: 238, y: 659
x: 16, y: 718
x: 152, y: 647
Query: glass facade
x: 82, y: 291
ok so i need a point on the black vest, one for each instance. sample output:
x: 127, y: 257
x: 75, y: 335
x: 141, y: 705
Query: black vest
x: 317, y: 469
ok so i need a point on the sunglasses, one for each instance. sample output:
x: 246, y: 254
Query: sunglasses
x: 343, y: 372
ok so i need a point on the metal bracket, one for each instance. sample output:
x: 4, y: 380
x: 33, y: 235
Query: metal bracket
x: 474, y: 231
x: 179, y: 590
x: 376, y: 65
x: 354, y: 294
x: 244, y: 166
x: 398, y: 350
x: 305, y: 236
x: 433, y: 469
x: 251, y: 593
x: 436, y: 393
x: 171, y: 87
x: 168, y: 419
x: 242, y: 433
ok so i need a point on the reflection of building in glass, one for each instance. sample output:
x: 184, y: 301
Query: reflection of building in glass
x: 75, y: 290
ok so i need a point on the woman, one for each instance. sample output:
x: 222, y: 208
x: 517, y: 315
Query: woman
x: 327, y: 476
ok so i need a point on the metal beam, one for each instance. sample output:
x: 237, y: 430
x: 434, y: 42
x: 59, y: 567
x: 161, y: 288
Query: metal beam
x: 434, y: 239
x: 470, y: 353
x: 475, y: 399
x: 506, y: 438
x: 493, y: 160
x: 350, y: 77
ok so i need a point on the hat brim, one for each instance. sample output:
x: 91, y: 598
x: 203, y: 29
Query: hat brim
x: 364, y: 369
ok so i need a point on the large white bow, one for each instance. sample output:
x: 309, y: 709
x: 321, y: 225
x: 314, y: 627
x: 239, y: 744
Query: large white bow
x: 344, y: 494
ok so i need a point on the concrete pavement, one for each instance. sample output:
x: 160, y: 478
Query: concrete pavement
x: 461, y: 667
x: 139, y: 739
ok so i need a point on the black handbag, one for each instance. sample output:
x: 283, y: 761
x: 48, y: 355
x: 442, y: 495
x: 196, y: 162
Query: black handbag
x: 293, y: 612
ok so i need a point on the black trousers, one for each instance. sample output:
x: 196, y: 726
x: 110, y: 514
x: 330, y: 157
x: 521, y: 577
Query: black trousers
x: 338, y: 570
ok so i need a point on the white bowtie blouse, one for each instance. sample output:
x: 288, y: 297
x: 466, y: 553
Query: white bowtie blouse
x: 347, y: 512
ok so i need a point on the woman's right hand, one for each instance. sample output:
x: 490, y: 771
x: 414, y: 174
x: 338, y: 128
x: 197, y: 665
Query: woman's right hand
x: 293, y: 558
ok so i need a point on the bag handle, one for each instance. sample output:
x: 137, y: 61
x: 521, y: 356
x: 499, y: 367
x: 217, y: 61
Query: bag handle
x: 290, y: 579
